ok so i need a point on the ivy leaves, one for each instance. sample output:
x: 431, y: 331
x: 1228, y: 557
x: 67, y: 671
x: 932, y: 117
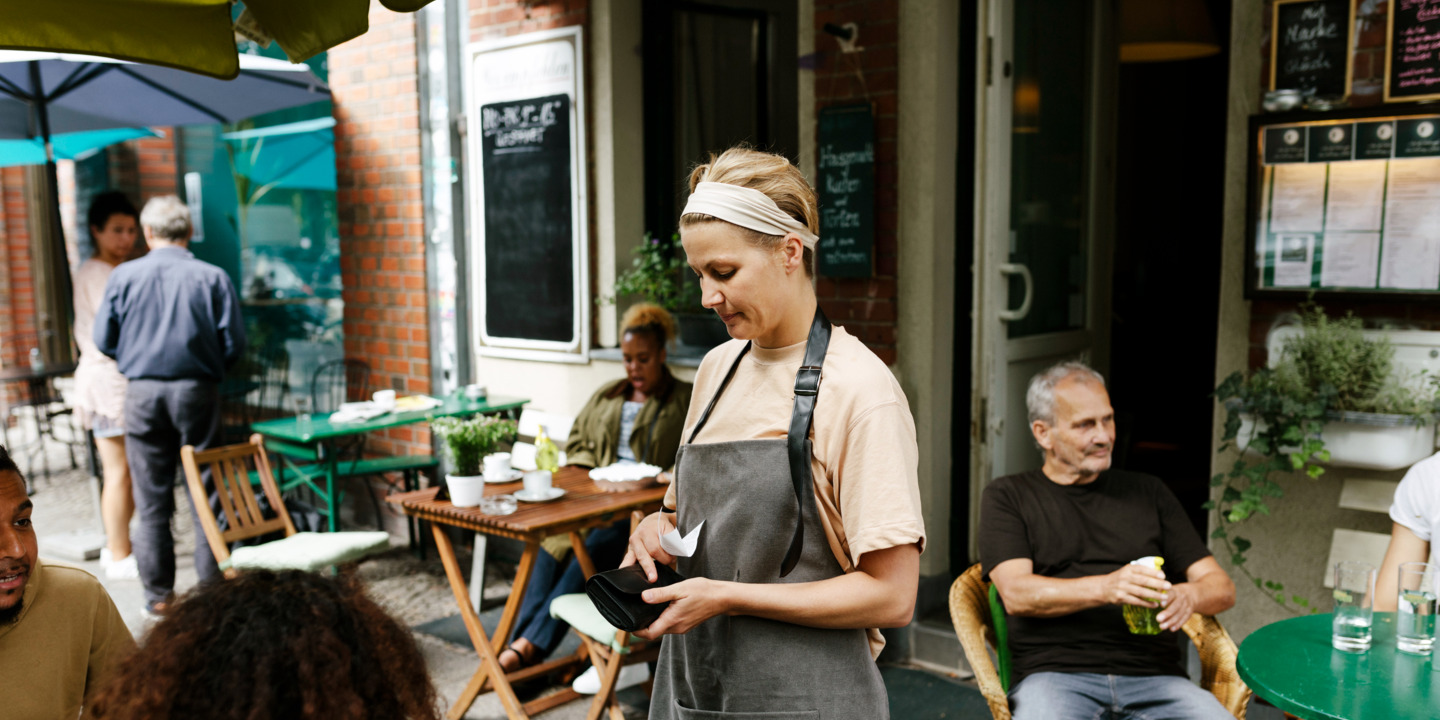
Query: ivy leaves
x: 657, y: 275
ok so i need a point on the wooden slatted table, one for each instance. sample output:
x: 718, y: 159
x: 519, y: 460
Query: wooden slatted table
x: 584, y: 505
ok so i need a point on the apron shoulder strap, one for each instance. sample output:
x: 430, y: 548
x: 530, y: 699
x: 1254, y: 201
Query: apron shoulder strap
x: 807, y: 388
x: 705, y: 416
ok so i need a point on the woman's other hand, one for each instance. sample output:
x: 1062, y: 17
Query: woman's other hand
x: 664, y: 477
x: 645, y: 545
x: 692, y: 602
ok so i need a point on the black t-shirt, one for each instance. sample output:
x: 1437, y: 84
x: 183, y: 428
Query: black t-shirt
x: 1071, y: 531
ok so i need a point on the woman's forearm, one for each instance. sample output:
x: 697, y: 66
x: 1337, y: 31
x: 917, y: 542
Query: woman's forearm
x: 881, y: 593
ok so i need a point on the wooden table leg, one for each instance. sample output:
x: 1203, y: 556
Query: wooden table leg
x: 582, y: 556
x: 489, y: 663
x: 517, y: 595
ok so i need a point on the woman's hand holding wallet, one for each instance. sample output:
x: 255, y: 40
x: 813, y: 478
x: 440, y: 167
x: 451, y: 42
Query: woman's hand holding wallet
x: 645, y: 546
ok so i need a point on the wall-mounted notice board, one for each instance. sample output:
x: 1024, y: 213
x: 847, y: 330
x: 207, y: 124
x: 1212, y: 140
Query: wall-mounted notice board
x: 1346, y: 203
x: 1310, y: 46
x: 528, y: 227
x: 1412, y: 52
x: 847, y: 191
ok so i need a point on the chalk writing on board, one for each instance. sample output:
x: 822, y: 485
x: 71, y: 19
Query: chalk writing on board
x: 847, y: 191
x: 1311, y: 47
x: 1413, y: 62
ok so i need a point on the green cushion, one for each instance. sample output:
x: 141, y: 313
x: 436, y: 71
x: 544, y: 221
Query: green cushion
x: 309, y: 551
x: 1002, y: 638
x: 577, y: 610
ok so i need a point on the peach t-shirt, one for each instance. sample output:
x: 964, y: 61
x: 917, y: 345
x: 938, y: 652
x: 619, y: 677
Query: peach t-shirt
x: 865, y: 462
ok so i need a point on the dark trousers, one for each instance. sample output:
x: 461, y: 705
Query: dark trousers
x: 549, y: 580
x: 160, y: 417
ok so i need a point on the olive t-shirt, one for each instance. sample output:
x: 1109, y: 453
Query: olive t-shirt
x: 1071, y: 531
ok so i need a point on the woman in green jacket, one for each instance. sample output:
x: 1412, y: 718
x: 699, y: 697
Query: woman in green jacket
x: 634, y: 420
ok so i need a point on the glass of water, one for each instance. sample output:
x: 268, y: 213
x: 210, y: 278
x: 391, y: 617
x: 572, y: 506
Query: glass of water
x: 1354, y: 606
x: 1415, y: 621
x: 302, y: 416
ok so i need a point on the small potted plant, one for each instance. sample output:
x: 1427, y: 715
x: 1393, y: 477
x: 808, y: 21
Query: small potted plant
x: 658, y: 275
x: 467, y: 442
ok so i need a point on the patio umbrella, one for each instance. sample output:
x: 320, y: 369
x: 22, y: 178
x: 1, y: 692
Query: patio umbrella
x: 296, y: 156
x: 194, y: 35
x: 42, y: 94
x: 67, y: 146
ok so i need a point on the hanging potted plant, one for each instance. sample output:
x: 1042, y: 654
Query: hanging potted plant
x: 1333, y: 396
x: 467, y: 442
x: 659, y: 275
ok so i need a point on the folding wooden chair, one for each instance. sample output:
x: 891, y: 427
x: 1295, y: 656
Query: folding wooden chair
x: 230, y: 468
x: 609, y: 649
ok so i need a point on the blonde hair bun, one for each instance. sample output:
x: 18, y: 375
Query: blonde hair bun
x: 649, y: 318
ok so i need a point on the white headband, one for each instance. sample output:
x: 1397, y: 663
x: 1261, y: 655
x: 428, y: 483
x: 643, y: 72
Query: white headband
x: 750, y: 209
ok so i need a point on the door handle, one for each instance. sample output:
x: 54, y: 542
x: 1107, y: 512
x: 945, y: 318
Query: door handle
x: 1008, y: 269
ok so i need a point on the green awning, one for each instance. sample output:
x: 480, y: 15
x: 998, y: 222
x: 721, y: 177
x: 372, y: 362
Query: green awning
x: 195, y: 35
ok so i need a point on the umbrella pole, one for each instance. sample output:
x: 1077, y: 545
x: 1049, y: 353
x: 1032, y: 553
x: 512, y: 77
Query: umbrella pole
x: 55, y: 312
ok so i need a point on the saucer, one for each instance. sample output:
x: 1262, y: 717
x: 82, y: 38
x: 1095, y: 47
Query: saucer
x: 512, y: 476
x: 524, y: 495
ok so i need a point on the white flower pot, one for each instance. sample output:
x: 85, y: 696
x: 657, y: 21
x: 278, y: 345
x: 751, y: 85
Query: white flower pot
x: 465, y: 490
x: 1376, y: 442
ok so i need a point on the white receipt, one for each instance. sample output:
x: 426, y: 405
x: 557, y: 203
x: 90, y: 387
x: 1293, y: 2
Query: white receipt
x: 679, y: 546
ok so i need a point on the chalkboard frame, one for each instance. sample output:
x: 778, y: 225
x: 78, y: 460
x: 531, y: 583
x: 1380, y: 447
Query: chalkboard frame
x: 1390, y: 15
x: 487, y: 90
x: 1254, y: 204
x: 1275, y: 41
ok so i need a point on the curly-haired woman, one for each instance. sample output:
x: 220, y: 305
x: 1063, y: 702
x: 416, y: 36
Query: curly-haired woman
x: 269, y: 645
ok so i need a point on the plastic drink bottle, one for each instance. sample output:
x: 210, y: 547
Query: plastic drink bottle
x: 1141, y: 620
x: 547, y: 456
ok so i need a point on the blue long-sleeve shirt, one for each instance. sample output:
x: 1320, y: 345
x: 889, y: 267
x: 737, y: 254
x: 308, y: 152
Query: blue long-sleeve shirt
x: 169, y: 316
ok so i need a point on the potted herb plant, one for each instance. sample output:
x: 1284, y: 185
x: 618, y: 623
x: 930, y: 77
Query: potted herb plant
x: 659, y: 275
x: 1332, y: 396
x: 467, y: 442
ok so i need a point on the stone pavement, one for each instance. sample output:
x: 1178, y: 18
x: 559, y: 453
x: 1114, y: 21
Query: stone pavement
x: 413, y: 591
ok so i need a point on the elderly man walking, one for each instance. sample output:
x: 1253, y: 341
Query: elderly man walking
x: 173, y: 325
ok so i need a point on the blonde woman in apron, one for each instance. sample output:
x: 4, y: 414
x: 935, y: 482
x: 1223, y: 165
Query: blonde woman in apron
x: 796, y: 479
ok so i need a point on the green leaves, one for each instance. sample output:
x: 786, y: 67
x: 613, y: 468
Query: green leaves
x: 657, y: 275
x: 470, y: 440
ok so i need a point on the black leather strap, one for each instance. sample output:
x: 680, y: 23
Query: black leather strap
x: 807, y: 388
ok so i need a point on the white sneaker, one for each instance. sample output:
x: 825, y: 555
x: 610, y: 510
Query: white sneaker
x: 122, y: 569
x: 631, y: 675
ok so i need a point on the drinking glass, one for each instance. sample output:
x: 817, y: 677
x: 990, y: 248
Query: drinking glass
x: 1415, y: 621
x: 1354, y: 606
x: 302, y: 416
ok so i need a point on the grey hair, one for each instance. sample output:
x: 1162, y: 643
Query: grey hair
x: 1040, y: 396
x: 168, y: 217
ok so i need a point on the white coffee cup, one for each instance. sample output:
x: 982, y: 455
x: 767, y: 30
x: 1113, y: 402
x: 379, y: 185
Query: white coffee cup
x: 537, y: 483
x: 385, y: 399
x: 497, y: 466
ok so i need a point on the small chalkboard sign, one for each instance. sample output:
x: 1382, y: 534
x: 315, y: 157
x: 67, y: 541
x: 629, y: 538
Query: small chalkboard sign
x: 1412, y: 54
x: 529, y: 231
x: 1310, y: 46
x: 847, y: 191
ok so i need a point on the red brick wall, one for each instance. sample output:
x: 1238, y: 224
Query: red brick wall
x: 1367, y: 80
x: 865, y: 306
x: 144, y: 167
x: 17, y: 289
x: 381, y: 211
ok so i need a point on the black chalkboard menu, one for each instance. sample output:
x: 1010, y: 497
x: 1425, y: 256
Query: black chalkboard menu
x: 1412, y: 54
x: 847, y: 191
x: 1310, y: 46
x: 529, y: 232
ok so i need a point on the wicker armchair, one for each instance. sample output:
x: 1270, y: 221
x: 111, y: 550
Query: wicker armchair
x: 970, y: 611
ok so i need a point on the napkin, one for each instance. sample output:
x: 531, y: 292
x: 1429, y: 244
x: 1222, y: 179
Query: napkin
x: 679, y: 546
x: 356, y: 412
x: 625, y: 472
x: 416, y: 402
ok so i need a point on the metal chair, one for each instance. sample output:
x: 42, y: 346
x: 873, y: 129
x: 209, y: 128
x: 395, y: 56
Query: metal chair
x: 254, y: 390
x: 37, y: 395
x: 980, y: 624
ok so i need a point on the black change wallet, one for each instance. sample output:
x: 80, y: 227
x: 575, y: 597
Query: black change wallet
x: 616, y: 594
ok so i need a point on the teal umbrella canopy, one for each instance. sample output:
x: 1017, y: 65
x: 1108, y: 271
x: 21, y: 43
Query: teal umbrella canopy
x: 296, y: 156
x: 67, y: 146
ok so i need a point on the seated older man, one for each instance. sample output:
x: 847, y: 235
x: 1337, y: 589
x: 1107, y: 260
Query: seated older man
x: 60, y: 634
x: 1057, y: 542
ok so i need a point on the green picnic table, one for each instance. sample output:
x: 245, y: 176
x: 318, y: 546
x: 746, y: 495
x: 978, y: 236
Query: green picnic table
x: 284, y: 436
x: 1291, y: 664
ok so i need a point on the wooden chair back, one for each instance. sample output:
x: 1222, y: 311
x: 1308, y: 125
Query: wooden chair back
x: 970, y: 613
x: 230, y: 468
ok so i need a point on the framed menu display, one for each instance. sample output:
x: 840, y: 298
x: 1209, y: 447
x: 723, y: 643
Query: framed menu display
x: 1345, y: 203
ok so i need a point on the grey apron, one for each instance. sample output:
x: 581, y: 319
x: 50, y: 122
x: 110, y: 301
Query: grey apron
x: 749, y: 667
